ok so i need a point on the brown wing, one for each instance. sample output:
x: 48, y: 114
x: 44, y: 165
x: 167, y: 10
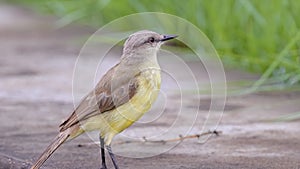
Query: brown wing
x: 102, y: 99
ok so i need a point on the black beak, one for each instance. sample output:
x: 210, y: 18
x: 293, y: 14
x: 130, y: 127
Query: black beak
x: 168, y: 37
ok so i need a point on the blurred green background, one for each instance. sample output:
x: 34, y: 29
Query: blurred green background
x: 259, y: 36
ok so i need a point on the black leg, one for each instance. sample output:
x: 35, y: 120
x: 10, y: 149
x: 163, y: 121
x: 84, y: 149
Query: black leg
x: 112, y: 156
x: 102, y: 153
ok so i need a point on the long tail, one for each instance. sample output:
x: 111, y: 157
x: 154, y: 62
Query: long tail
x: 61, y: 138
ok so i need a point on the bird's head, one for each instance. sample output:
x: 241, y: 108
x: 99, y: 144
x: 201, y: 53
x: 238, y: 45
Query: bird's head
x: 145, y: 43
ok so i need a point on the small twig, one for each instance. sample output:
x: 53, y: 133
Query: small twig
x: 180, y: 138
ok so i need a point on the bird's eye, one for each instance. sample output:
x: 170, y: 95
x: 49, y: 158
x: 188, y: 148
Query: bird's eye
x: 151, y: 40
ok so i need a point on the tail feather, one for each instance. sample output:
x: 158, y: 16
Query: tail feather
x: 61, y: 138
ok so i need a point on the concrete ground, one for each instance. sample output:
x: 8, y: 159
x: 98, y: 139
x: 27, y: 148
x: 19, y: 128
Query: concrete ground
x: 36, y: 67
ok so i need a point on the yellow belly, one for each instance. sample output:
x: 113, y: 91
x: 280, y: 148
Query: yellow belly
x: 115, y: 121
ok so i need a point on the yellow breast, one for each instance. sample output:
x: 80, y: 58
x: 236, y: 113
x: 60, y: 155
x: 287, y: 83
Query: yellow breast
x: 148, y: 88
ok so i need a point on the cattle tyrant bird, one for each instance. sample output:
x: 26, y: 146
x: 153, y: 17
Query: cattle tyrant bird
x: 119, y: 99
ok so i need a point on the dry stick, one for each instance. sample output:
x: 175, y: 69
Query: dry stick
x: 180, y: 138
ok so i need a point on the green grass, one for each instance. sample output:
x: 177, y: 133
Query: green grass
x: 259, y: 36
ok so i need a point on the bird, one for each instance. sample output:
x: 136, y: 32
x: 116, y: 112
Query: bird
x: 123, y: 95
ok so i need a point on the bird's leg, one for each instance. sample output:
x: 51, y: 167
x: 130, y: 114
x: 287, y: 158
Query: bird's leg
x: 102, y: 153
x: 112, y: 156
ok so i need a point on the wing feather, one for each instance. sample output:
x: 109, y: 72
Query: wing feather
x: 102, y: 99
